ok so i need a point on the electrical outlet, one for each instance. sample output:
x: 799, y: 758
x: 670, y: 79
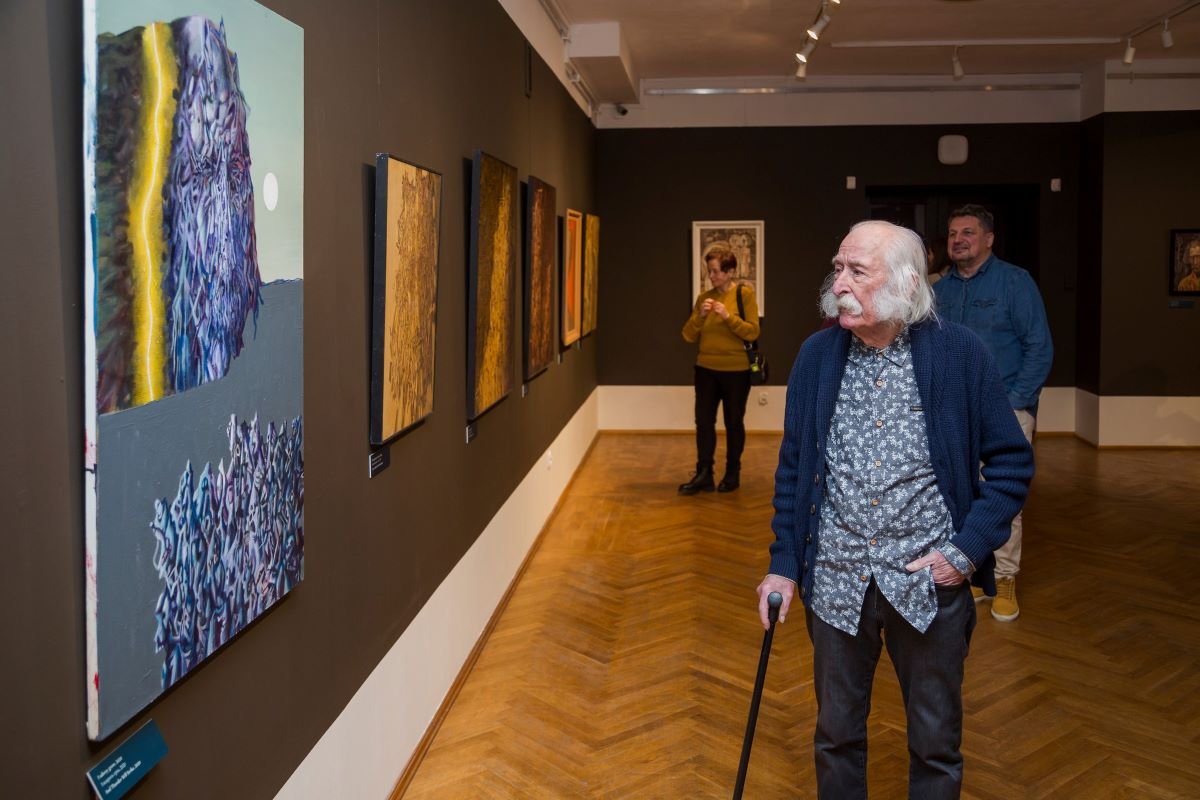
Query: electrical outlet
x: 762, y: 398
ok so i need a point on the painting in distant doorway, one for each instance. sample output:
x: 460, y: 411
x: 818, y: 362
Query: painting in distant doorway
x: 193, y: 336
x: 591, y: 272
x: 404, y: 295
x: 541, y: 255
x: 1184, y: 269
x: 572, y: 278
x: 745, y: 240
x: 490, y: 277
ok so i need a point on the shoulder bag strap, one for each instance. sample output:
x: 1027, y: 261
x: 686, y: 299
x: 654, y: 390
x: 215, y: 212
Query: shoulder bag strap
x: 750, y: 346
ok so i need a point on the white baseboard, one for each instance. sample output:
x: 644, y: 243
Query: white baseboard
x: 672, y: 408
x: 1103, y: 421
x: 1114, y: 421
x: 365, y: 749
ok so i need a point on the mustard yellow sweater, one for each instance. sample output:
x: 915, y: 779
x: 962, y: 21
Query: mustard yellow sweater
x: 720, y: 339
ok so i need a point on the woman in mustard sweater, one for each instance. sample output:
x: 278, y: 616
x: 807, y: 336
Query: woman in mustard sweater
x: 722, y: 370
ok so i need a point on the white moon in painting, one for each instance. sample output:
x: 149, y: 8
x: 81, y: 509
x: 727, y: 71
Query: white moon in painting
x: 270, y: 191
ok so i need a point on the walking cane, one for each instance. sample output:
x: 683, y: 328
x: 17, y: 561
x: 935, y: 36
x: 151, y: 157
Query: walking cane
x: 774, y: 601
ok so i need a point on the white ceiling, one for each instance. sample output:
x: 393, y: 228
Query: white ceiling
x: 689, y: 39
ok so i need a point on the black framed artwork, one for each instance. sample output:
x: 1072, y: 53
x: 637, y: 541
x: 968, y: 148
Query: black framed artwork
x: 1183, y: 270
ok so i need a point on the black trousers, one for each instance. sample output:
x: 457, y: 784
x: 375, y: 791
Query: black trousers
x: 930, y: 668
x: 730, y: 390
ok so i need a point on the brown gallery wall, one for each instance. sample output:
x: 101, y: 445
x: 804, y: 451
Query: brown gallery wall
x: 655, y: 182
x: 1151, y: 180
x: 426, y: 81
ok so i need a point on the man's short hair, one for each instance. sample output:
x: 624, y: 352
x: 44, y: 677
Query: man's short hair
x: 986, y: 220
x: 725, y: 259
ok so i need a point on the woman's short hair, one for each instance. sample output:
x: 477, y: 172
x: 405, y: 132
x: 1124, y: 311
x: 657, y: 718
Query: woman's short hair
x: 725, y: 259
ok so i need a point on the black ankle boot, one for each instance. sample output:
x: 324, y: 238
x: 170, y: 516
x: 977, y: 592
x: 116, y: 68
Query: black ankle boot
x: 731, y: 480
x: 702, y: 481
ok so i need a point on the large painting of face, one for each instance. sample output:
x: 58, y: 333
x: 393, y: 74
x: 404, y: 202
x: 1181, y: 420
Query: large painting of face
x: 193, y: 351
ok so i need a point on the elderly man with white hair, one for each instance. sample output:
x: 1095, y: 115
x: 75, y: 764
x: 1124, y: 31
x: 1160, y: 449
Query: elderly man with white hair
x: 881, y: 516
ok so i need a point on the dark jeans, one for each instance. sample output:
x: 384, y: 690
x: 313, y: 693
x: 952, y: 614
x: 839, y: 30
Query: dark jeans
x: 730, y: 389
x: 930, y: 669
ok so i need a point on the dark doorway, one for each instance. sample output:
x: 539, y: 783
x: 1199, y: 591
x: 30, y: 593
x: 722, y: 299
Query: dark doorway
x: 926, y: 209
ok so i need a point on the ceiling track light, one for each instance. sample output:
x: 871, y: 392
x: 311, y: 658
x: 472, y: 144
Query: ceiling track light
x: 1167, y: 39
x: 823, y: 18
x: 801, y: 70
x: 1130, y: 50
x: 957, y: 65
x: 806, y: 51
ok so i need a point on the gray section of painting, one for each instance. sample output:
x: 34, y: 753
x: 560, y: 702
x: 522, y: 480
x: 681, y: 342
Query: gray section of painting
x: 142, y: 452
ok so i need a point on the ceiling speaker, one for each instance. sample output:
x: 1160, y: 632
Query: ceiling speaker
x: 952, y: 149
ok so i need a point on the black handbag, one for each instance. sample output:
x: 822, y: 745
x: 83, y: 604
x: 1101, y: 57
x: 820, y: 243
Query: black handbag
x: 758, y: 362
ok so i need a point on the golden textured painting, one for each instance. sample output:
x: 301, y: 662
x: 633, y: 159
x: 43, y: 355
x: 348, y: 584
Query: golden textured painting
x: 572, y: 278
x: 540, y: 258
x: 493, y: 258
x: 404, y: 319
x: 591, y: 271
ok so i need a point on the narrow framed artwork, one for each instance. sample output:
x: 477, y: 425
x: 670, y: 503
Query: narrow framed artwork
x: 591, y: 272
x: 541, y: 256
x: 1184, y: 267
x: 491, y: 271
x: 572, y: 277
x: 193, y: 337
x: 408, y: 202
x: 743, y: 238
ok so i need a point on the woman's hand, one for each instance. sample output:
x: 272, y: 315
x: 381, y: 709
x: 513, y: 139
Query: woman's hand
x: 719, y: 309
x: 706, y: 307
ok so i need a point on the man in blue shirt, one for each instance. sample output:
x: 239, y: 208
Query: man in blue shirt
x: 1001, y: 303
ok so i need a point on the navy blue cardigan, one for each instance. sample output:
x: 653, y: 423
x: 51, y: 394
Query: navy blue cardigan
x: 968, y: 418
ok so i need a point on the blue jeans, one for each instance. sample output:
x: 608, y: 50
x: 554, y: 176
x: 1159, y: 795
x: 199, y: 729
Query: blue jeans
x: 930, y: 669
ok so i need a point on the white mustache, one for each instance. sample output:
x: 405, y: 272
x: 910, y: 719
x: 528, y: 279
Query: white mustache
x: 848, y: 304
x: 832, y: 305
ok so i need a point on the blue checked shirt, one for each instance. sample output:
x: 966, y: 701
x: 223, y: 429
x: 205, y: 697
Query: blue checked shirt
x: 883, y: 508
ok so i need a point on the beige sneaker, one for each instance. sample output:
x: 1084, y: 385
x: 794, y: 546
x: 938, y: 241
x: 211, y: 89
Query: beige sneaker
x: 1004, y: 605
x: 977, y: 594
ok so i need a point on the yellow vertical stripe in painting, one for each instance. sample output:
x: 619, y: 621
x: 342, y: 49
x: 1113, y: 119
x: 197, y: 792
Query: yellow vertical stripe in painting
x: 159, y: 76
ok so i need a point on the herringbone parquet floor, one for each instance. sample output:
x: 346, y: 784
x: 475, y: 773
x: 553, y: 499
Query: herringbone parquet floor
x: 623, y: 664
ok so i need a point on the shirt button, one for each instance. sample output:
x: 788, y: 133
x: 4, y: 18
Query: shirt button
x: 809, y: 539
x: 878, y: 463
x: 816, y: 479
x: 879, y: 384
x: 878, y: 423
x: 874, y: 541
x: 812, y: 509
x: 874, y: 501
x: 864, y: 578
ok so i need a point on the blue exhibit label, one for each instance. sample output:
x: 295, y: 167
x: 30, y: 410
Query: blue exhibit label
x: 121, y: 769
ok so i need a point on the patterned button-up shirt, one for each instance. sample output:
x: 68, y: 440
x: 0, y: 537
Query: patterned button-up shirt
x: 883, y: 508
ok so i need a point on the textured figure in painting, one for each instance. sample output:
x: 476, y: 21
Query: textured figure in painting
x: 229, y: 546
x: 177, y: 267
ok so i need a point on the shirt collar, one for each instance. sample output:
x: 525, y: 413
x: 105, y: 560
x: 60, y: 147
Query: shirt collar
x: 982, y: 268
x: 897, y: 348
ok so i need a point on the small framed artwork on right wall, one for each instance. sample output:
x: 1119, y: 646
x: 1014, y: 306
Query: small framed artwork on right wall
x: 1184, y: 267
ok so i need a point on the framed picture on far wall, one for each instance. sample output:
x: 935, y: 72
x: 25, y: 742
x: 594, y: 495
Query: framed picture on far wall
x: 1184, y: 267
x: 572, y: 278
x: 408, y: 201
x: 541, y: 257
x: 744, y: 238
x: 491, y: 273
x: 591, y: 272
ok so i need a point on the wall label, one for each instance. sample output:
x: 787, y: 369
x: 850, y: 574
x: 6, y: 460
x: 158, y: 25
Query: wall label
x: 124, y: 767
